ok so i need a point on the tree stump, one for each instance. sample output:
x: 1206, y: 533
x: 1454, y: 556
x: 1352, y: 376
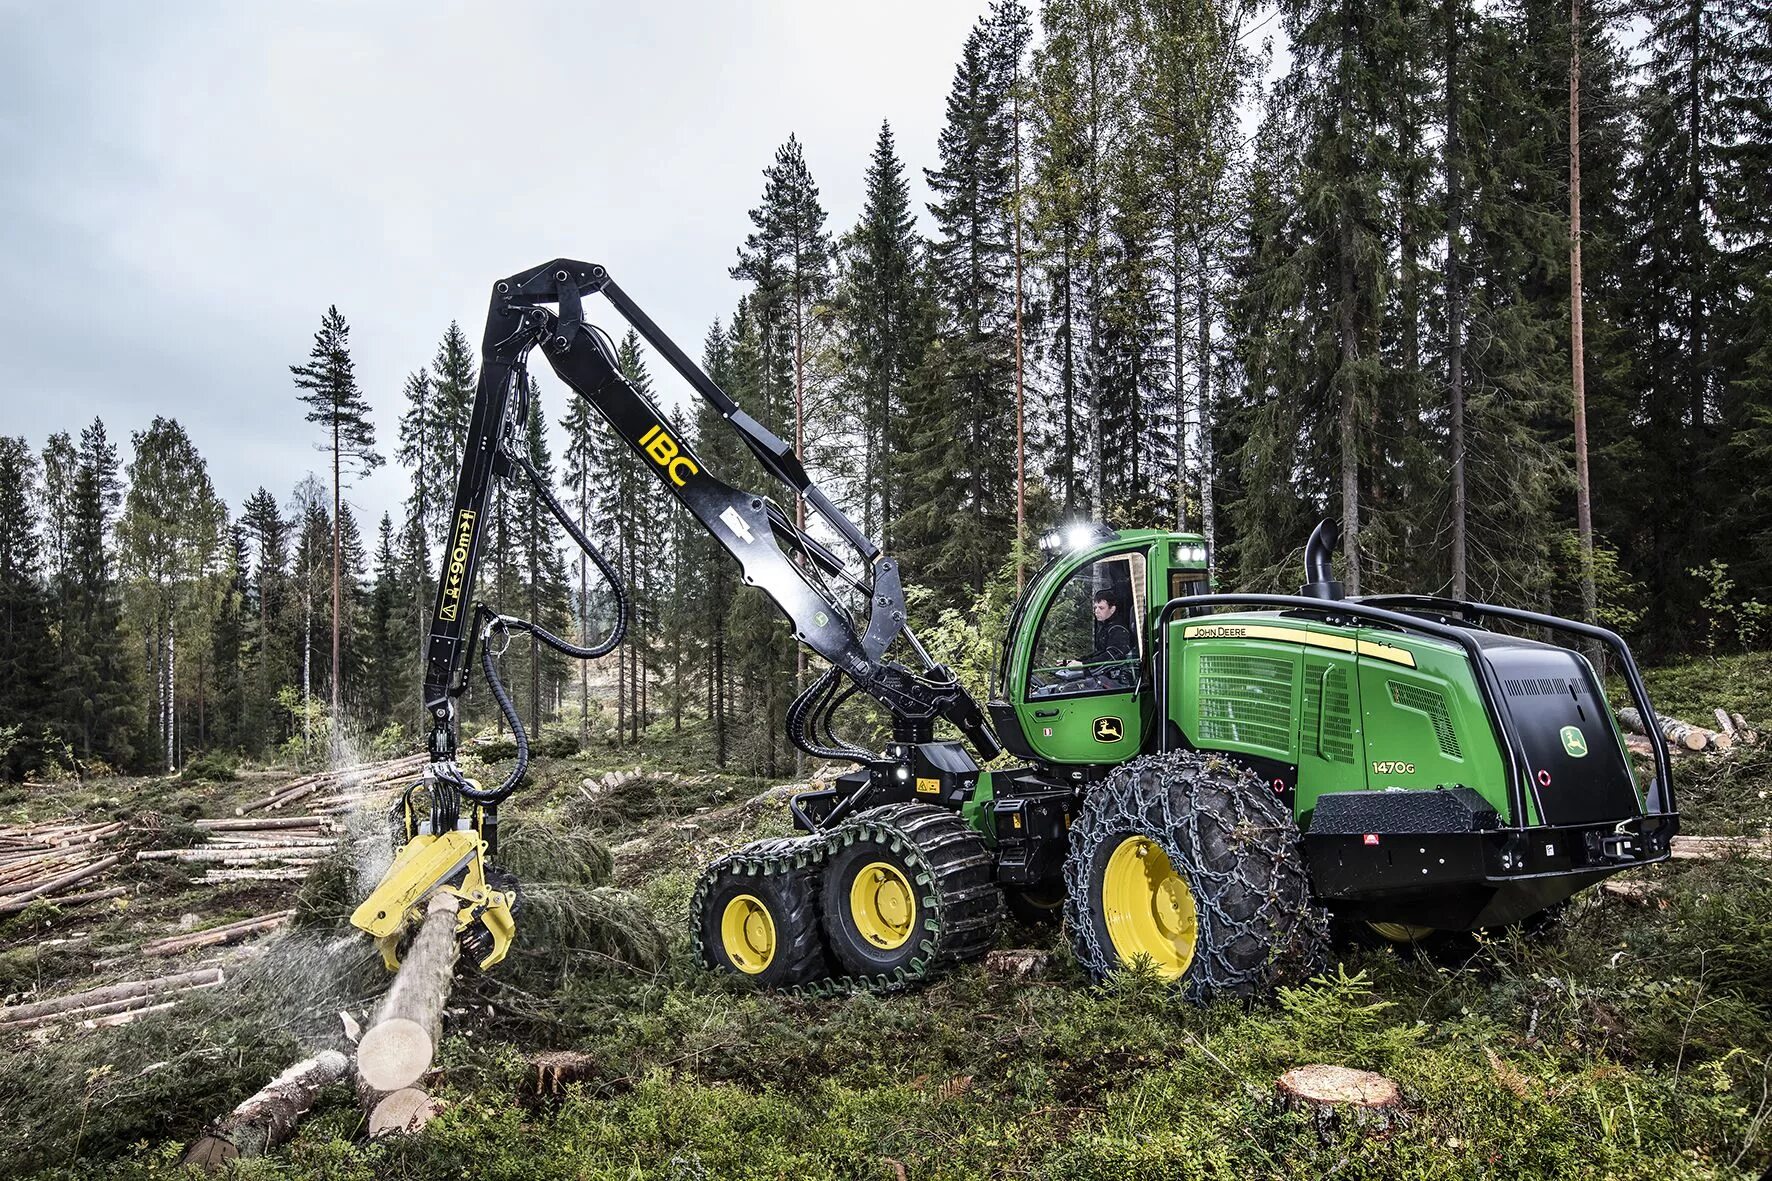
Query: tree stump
x: 402, y: 1113
x: 1338, y: 1096
x: 402, y: 1037
x: 269, y: 1117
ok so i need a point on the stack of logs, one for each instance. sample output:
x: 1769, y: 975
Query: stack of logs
x: 1732, y: 730
x: 269, y: 849
x: 45, y: 860
x: 339, y: 791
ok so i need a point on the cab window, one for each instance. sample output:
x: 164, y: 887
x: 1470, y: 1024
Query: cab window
x: 1185, y: 583
x: 1091, y: 639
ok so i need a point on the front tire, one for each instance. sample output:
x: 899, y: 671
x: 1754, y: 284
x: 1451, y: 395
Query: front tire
x: 1189, y: 862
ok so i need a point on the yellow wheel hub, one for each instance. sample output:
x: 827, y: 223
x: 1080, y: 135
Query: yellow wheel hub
x: 1148, y: 907
x: 1400, y: 932
x: 883, y: 905
x: 748, y: 933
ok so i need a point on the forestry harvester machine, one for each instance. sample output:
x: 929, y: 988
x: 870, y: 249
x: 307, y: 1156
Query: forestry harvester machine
x: 1202, y: 776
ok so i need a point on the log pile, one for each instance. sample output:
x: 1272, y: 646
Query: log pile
x: 46, y: 860
x: 341, y: 790
x: 268, y: 849
x: 1679, y: 736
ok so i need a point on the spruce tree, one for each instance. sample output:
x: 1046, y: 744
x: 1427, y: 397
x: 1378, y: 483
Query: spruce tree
x: 27, y: 654
x: 94, y: 694
x: 272, y: 655
x: 334, y: 401
x: 962, y: 460
x: 880, y: 320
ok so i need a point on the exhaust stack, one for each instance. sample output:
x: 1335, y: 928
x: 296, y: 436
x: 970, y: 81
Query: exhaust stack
x: 1319, y: 568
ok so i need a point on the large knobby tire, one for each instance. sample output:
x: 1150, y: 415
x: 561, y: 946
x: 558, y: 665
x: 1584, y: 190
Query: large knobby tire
x: 762, y: 927
x: 1191, y: 861
x: 908, y: 891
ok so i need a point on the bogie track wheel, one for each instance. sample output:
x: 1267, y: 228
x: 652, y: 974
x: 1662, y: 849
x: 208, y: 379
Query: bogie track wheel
x: 761, y: 926
x: 908, y: 891
x: 1189, y: 862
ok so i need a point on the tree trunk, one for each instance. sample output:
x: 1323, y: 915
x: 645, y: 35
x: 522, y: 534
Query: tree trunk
x: 269, y: 1117
x: 1584, y: 520
x: 337, y: 561
x: 401, y: 1041
x: 1455, y: 303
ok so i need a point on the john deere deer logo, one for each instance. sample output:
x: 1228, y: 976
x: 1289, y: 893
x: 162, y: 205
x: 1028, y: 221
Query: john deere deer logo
x: 1108, y: 730
x: 1574, y: 741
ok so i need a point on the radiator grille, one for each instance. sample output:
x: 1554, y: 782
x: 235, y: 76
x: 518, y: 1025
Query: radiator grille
x: 1433, y: 704
x: 1538, y: 686
x: 1247, y: 700
x: 1336, y: 736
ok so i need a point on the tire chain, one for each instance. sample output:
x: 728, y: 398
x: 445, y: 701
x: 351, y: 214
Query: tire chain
x: 1219, y: 806
x: 963, y: 920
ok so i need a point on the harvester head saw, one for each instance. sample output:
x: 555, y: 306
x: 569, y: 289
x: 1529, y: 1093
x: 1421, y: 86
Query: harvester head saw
x: 447, y: 853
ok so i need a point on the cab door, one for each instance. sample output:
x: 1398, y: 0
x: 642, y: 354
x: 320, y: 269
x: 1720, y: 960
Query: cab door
x: 1084, y: 692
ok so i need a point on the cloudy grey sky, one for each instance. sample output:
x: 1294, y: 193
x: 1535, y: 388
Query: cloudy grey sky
x: 186, y: 187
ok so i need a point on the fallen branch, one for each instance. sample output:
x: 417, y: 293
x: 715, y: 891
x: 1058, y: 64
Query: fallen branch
x: 269, y: 1117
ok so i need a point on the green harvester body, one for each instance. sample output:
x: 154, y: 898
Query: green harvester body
x: 1445, y: 773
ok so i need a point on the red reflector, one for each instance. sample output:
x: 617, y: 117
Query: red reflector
x: 1371, y: 838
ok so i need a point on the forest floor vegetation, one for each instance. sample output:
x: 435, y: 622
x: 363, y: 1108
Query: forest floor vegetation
x: 1629, y: 1037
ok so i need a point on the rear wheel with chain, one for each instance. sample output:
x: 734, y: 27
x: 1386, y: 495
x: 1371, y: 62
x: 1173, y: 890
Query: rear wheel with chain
x: 1188, y: 861
x: 908, y: 890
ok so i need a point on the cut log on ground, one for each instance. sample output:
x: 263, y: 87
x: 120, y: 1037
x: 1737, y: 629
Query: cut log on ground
x: 1721, y: 848
x: 1021, y: 963
x: 269, y: 1117
x: 1676, y: 732
x: 110, y: 992
x: 402, y: 1112
x: 226, y: 933
x: 1331, y: 1095
x: 1638, y: 893
x: 262, y: 824
x: 402, y: 1037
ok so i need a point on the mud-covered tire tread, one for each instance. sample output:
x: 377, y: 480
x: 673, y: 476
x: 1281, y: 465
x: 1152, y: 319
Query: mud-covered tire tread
x: 1237, y: 845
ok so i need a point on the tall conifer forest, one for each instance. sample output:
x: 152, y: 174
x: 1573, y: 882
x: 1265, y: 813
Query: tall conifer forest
x: 1193, y: 264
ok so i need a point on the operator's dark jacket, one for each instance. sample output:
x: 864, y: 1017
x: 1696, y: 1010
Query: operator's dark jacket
x: 1112, y: 640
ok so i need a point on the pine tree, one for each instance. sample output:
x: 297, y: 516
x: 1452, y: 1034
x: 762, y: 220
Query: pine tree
x: 717, y: 584
x: 335, y: 402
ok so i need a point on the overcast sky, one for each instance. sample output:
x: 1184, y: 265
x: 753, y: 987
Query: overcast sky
x: 186, y: 187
